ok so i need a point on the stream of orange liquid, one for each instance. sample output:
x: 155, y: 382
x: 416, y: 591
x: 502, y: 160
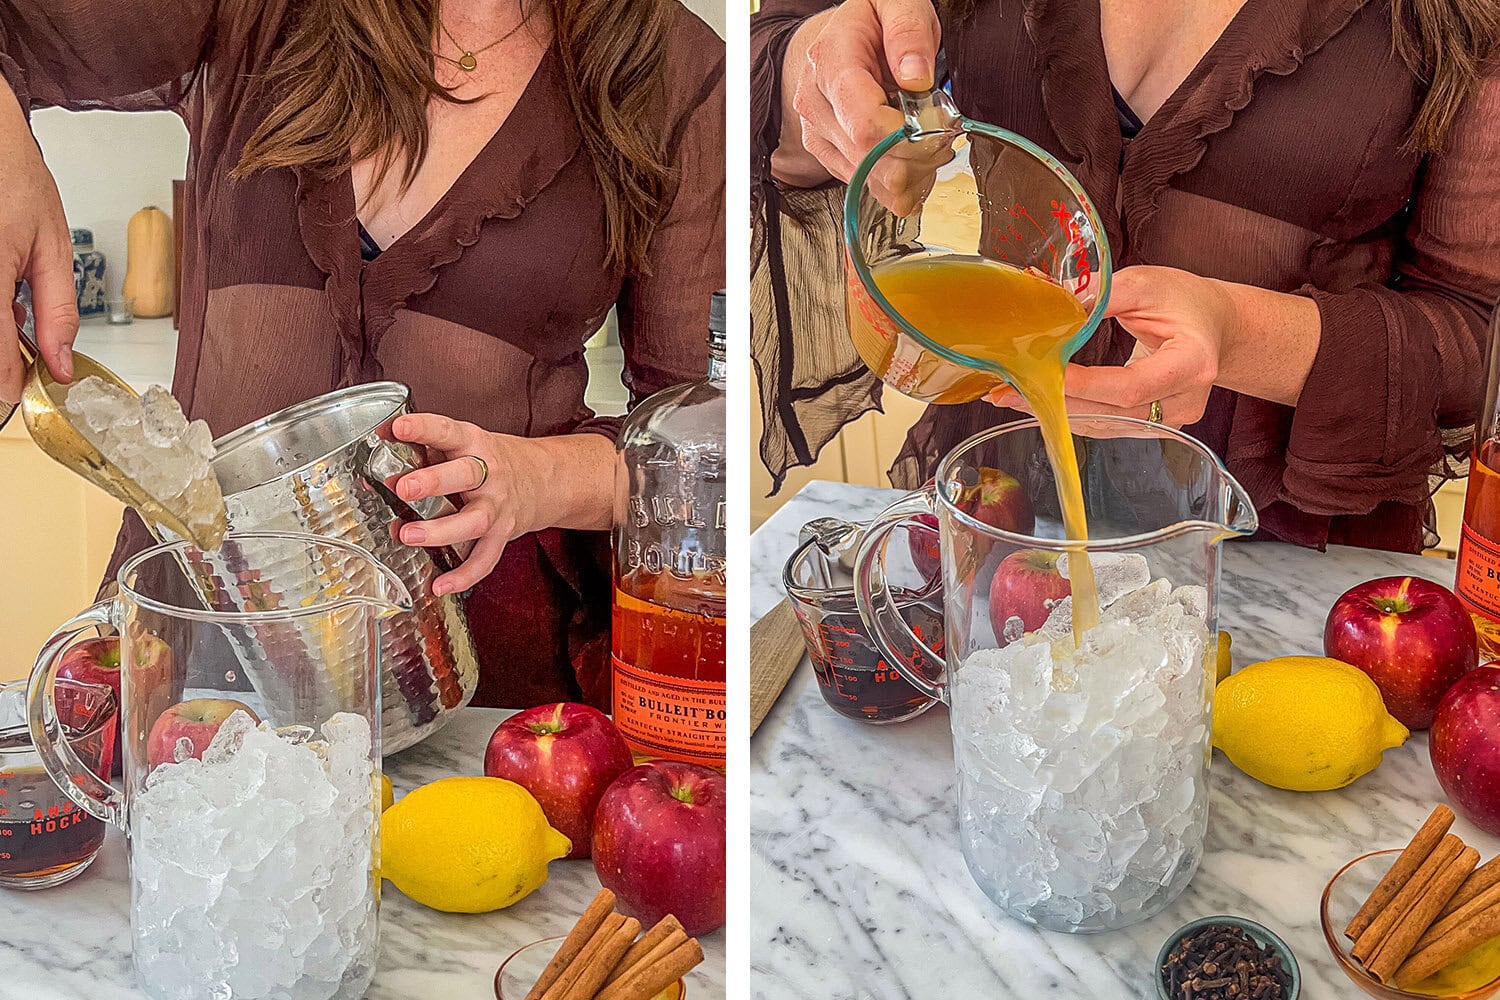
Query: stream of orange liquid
x: 1022, y: 322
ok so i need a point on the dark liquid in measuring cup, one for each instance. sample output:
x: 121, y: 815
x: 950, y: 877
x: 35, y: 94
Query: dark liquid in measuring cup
x: 42, y: 831
x: 855, y: 678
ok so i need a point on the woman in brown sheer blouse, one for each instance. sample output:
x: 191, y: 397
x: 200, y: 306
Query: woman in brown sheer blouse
x: 1306, y: 225
x: 450, y: 196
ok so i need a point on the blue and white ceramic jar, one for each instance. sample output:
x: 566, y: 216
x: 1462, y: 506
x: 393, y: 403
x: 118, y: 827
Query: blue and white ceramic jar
x: 88, y: 274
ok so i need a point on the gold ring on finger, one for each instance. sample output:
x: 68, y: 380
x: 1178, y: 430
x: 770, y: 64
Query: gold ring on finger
x: 484, y: 473
x: 1154, y: 416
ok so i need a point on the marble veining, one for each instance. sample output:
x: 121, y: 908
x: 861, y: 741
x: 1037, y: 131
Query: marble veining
x: 860, y: 892
x: 73, y: 942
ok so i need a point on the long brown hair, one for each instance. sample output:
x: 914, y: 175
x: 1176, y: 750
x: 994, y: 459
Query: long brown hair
x: 1446, y: 44
x: 352, y: 80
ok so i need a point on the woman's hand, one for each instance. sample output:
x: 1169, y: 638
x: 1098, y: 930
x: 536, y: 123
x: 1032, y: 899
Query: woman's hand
x: 501, y: 507
x: 35, y: 246
x: 834, y: 109
x: 524, y: 485
x: 1183, y: 325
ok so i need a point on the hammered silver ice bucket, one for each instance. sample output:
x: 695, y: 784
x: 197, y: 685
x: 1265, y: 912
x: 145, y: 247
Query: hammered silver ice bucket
x: 328, y: 467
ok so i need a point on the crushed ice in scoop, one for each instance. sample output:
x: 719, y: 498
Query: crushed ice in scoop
x: 254, y: 867
x: 149, y: 440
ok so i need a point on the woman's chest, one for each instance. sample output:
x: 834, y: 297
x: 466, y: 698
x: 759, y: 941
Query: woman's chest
x: 1296, y: 114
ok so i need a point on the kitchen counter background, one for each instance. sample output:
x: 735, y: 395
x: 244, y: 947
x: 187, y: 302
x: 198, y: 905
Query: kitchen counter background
x: 860, y: 889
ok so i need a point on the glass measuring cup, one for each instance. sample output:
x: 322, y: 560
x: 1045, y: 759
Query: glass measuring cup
x: 854, y: 676
x: 45, y: 838
x: 1002, y: 198
x: 1082, y: 772
x: 253, y: 849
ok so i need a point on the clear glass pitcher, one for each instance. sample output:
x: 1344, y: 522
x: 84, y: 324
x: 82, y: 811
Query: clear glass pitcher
x: 1001, y: 198
x: 1082, y: 771
x: 250, y: 802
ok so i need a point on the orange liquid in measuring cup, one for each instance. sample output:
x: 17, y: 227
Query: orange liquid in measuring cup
x: 1022, y: 322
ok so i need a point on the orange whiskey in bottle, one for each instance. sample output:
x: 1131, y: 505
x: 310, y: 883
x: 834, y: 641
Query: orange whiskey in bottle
x: 1477, y: 580
x: 669, y: 570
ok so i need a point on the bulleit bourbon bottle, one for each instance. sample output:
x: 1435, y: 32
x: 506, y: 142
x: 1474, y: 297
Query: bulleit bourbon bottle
x: 1478, y: 578
x: 669, y: 574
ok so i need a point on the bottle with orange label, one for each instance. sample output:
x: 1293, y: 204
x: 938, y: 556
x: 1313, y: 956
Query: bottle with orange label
x: 669, y: 569
x: 1478, y: 578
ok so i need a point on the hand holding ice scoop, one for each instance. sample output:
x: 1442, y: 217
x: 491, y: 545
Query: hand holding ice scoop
x: 139, y: 449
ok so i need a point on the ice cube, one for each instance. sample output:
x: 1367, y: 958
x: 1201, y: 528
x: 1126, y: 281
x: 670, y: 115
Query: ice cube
x: 1059, y: 621
x: 1115, y: 573
x: 230, y: 736
x: 1012, y: 631
x: 1194, y: 600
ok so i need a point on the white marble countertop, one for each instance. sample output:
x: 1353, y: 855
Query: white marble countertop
x: 74, y: 941
x: 860, y: 890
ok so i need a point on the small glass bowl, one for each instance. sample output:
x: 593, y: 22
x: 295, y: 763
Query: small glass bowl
x: 519, y: 973
x: 1261, y: 935
x: 1345, y: 893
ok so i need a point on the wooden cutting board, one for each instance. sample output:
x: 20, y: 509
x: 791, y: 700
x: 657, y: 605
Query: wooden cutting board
x: 776, y: 647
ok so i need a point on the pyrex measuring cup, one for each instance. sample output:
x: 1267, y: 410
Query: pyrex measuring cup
x: 253, y: 849
x: 45, y: 838
x: 1082, y: 772
x: 854, y: 676
x: 1001, y: 198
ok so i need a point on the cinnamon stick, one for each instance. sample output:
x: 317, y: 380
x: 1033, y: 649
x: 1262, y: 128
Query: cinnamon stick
x: 649, y: 978
x: 1406, y: 865
x: 1442, y: 855
x: 675, y: 939
x: 602, y: 905
x: 593, y: 972
x: 1459, y: 917
x: 1450, y: 947
x: 664, y: 928
x: 1403, y: 938
x: 589, y: 954
x: 1484, y: 877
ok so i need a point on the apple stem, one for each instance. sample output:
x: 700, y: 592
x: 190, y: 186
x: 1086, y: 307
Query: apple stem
x: 683, y: 794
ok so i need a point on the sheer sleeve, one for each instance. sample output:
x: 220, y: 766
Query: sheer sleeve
x: 128, y: 55
x: 1399, y: 377
x: 664, y: 313
x: 811, y: 380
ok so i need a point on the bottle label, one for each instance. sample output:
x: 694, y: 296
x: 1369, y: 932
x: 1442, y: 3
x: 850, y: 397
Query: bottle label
x: 1477, y: 582
x: 675, y: 718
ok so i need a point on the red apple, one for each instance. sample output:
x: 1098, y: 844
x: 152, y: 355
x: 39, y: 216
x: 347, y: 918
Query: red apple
x: 1411, y: 636
x: 195, y: 720
x: 97, y: 661
x: 1465, y: 746
x: 1026, y: 585
x: 659, y: 844
x: 997, y: 500
x: 565, y: 755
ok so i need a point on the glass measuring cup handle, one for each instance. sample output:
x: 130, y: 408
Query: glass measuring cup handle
x: 77, y: 780
x: 870, y: 587
x: 928, y: 113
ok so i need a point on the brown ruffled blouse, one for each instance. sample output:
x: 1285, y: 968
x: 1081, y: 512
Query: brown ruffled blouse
x: 1277, y: 163
x: 482, y: 308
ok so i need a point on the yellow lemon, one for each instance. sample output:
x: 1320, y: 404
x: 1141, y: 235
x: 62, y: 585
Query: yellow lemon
x: 1304, y: 723
x: 1226, y: 662
x: 468, y: 845
x: 387, y: 793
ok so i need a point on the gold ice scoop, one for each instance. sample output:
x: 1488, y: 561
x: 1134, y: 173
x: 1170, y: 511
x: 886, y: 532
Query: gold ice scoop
x: 57, y: 436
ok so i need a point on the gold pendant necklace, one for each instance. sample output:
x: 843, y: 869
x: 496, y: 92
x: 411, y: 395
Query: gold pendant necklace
x: 467, y: 62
